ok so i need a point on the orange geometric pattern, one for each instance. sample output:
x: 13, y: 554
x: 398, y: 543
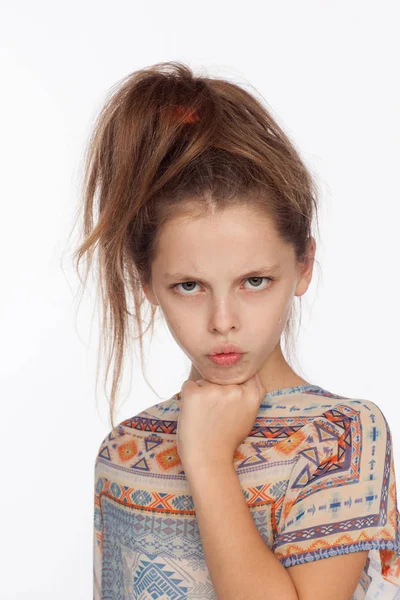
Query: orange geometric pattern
x: 317, y: 472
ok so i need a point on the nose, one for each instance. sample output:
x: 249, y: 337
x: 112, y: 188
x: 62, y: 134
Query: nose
x: 223, y: 315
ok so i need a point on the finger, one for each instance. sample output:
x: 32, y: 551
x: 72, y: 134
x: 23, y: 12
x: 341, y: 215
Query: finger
x: 187, y: 385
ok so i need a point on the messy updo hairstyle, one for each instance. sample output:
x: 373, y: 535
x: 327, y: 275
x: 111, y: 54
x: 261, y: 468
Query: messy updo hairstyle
x: 168, y: 142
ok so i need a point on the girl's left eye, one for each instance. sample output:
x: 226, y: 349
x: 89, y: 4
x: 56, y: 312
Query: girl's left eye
x: 259, y: 278
x: 270, y: 279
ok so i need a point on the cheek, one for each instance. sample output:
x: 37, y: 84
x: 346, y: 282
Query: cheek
x: 275, y: 311
x: 180, y: 331
x: 180, y: 324
x: 263, y: 324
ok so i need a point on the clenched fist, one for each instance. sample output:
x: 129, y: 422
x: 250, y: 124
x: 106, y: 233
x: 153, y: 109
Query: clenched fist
x: 214, y: 419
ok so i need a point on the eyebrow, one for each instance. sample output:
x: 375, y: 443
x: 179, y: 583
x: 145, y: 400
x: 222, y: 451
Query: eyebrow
x: 188, y: 277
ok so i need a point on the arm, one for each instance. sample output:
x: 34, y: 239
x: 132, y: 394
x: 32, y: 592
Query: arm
x: 97, y: 545
x: 240, y: 563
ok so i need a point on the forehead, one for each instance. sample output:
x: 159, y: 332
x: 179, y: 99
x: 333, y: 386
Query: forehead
x: 234, y: 236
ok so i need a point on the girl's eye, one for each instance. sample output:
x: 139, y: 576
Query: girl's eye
x: 259, y: 279
x: 255, y: 287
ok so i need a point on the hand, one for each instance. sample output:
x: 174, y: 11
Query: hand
x: 214, y: 419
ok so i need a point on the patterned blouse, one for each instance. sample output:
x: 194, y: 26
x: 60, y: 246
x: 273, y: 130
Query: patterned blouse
x: 317, y: 472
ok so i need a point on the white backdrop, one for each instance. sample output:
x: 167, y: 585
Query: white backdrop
x: 329, y: 73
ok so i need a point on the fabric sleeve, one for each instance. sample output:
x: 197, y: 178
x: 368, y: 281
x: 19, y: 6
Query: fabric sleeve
x: 341, y: 494
x: 98, y: 528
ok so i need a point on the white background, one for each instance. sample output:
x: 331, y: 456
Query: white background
x: 329, y: 73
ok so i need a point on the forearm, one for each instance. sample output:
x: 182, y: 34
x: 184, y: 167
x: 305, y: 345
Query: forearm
x: 241, y: 565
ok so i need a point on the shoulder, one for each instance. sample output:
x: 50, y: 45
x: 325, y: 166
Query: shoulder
x: 362, y: 426
x: 328, y: 404
x: 131, y: 441
x: 342, y: 505
x: 368, y: 413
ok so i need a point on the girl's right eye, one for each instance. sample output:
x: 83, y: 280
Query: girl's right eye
x: 191, y: 283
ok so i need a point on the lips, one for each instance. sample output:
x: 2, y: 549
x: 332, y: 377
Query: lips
x: 226, y: 349
x: 225, y: 360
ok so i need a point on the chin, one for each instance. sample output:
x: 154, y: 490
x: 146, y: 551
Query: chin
x: 228, y: 377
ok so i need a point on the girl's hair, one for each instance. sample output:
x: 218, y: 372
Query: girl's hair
x: 169, y: 143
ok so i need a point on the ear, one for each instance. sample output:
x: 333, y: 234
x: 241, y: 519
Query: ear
x: 306, y: 269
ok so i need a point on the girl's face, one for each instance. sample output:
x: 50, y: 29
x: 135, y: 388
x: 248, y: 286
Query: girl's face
x: 226, y: 278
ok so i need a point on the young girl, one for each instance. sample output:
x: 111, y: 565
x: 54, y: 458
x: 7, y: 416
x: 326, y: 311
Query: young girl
x: 250, y: 482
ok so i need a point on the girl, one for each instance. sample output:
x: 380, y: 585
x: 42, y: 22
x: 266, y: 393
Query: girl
x: 250, y: 482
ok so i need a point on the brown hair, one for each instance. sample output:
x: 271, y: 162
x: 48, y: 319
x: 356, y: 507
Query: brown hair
x: 168, y: 142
